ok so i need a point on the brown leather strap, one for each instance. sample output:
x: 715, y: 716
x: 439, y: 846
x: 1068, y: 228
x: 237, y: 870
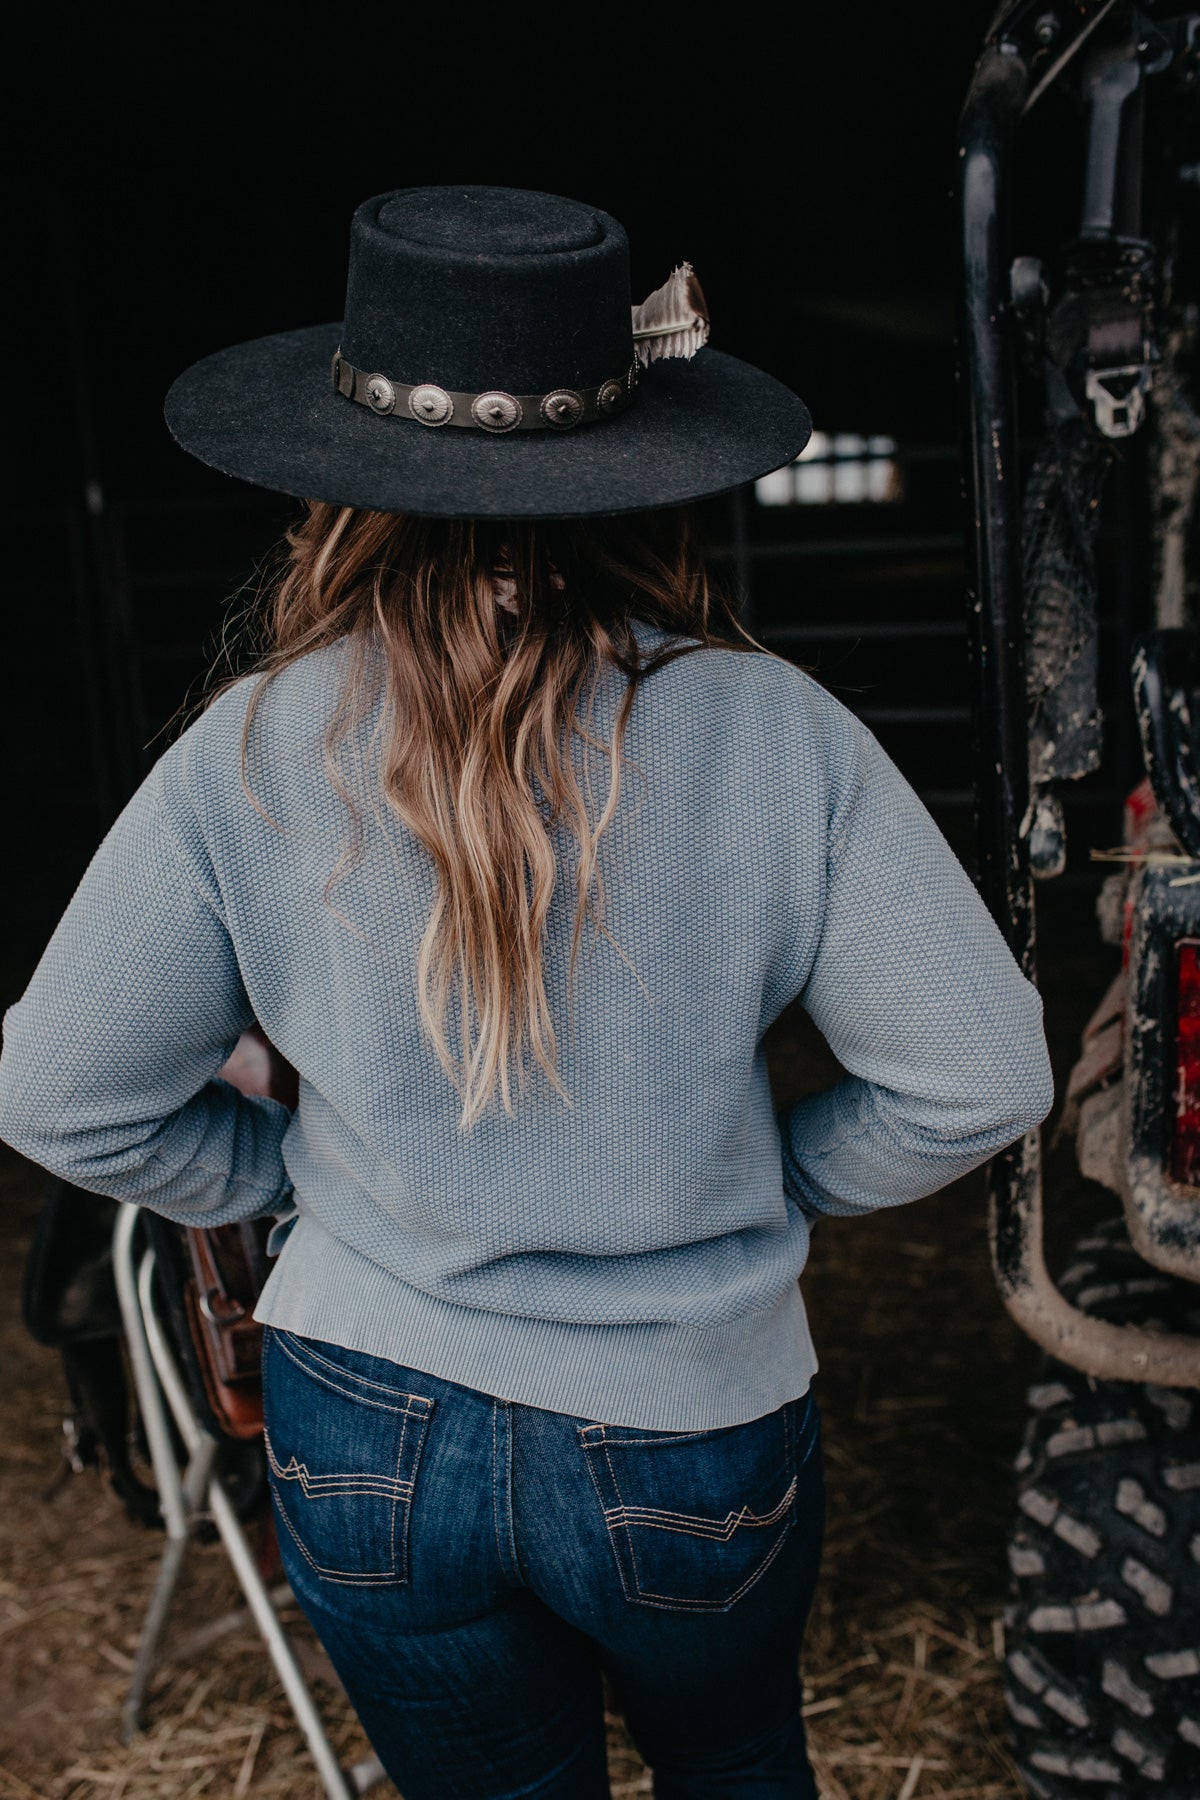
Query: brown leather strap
x: 229, y: 1269
x: 497, y: 412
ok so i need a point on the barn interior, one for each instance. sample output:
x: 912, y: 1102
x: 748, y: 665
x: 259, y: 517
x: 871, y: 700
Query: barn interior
x: 188, y: 184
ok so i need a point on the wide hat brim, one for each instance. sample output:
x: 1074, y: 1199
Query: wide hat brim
x: 266, y: 412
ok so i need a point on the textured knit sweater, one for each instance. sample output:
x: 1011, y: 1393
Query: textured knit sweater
x: 632, y: 1256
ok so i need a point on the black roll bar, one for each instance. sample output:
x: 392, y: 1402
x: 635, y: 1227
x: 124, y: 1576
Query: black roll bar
x: 1016, y: 65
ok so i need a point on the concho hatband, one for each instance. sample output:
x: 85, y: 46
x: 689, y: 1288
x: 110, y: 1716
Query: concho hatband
x: 496, y: 411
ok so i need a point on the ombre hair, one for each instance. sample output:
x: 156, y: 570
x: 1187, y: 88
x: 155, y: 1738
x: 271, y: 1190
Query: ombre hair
x: 491, y: 632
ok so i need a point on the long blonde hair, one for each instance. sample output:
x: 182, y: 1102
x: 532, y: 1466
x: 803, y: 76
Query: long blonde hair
x: 479, y: 706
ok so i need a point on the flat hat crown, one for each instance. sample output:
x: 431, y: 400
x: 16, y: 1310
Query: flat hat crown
x: 477, y: 288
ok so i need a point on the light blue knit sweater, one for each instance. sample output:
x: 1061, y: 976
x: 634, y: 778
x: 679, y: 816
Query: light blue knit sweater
x: 632, y: 1257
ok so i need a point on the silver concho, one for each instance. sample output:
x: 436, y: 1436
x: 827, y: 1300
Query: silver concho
x: 496, y: 411
x: 611, y: 396
x: 562, y: 409
x: 431, y: 405
x: 381, y: 395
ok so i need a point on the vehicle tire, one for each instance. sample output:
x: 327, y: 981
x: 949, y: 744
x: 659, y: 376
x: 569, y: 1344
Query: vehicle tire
x: 1102, y: 1639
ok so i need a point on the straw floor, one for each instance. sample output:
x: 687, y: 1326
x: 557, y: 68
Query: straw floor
x: 921, y: 1389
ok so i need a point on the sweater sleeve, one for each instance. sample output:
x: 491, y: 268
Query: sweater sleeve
x: 923, y: 1004
x: 108, y: 1075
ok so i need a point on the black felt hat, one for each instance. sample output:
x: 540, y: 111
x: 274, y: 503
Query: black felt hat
x: 487, y: 367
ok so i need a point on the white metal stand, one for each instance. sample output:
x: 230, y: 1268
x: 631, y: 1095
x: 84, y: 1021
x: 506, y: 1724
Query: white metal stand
x: 186, y: 1494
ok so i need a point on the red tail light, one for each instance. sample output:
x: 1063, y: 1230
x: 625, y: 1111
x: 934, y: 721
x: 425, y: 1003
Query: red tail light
x: 1185, y: 1139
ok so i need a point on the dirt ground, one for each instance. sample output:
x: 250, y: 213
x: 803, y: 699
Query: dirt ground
x: 921, y: 1387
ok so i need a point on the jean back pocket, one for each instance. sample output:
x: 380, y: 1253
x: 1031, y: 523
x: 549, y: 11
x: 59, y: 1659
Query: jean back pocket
x: 343, y: 1452
x: 696, y: 1518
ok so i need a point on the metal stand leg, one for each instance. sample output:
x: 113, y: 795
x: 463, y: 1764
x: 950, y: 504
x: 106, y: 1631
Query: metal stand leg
x: 157, y: 1378
x: 195, y: 1482
x: 154, y: 1419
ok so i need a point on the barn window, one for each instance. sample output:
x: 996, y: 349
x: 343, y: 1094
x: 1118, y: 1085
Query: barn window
x: 837, y: 469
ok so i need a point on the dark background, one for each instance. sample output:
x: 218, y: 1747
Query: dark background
x: 183, y: 178
x: 186, y: 180
x: 203, y: 182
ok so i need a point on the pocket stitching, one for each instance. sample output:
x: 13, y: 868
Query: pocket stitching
x: 592, y: 1434
x: 304, y: 1350
x: 668, y: 1602
x: 301, y: 1473
x: 637, y: 1579
x: 665, y: 1602
x: 400, y: 1551
x: 656, y: 1517
x: 668, y: 1438
x: 422, y: 1403
x: 397, y: 1574
x: 345, y: 1577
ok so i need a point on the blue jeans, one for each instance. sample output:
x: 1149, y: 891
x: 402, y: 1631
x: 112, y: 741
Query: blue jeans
x: 472, y: 1565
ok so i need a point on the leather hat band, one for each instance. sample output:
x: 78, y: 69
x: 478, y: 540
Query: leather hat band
x: 561, y: 410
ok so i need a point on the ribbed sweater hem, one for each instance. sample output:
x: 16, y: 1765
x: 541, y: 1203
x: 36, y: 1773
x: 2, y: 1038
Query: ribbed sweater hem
x: 662, y: 1377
